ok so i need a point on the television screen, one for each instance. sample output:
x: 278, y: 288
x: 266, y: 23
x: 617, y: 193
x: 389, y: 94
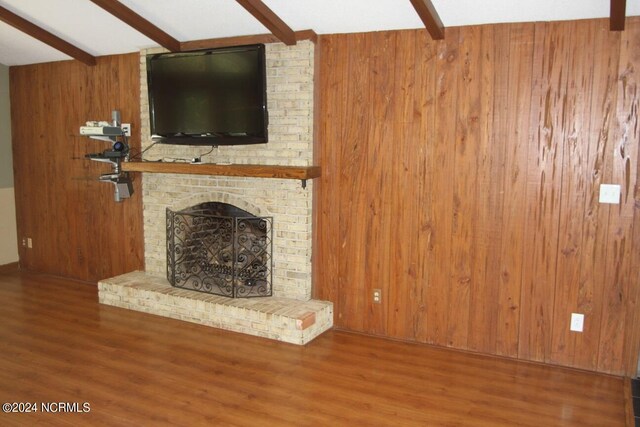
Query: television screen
x: 211, y: 97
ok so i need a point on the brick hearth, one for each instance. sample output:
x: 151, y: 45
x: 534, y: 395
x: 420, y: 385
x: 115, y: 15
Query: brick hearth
x: 282, y: 319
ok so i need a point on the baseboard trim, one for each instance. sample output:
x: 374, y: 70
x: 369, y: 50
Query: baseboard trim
x: 10, y: 268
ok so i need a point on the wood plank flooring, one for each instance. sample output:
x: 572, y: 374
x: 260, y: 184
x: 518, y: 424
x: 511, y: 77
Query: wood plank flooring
x: 60, y: 345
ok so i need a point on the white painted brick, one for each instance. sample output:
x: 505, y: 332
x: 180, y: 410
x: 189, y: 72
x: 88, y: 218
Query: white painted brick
x: 290, y: 103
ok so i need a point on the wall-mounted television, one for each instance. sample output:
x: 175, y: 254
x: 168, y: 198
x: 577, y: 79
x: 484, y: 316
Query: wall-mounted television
x: 209, y: 97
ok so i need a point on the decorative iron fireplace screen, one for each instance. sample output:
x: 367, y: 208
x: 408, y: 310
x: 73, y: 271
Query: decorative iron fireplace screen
x: 219, y: 249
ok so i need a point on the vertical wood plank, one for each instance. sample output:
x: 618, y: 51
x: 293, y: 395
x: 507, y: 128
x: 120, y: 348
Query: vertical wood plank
x: 544, y: 175
x: 483, y: 298
x: 575, y: 146
x: 354, y: 178
x: 631, y: 348
x: 625, y: 139
x: 332, y: 86
x: 591, y: 283
x: 512, y: 250
x: 380, y: 165
x: 441, y: 177
x: 403, y: 217
x: 424, y: 126
x: 127, y: 87
x: 464, y: 220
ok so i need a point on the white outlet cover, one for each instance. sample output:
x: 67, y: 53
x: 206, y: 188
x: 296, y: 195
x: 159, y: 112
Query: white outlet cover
x: 610, y: 193
x: 577, y: 322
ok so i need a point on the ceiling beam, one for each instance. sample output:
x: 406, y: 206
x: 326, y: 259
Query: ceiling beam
x: 430, y: 18
x: 243, y: 40
x: 269, y: 19
x: 46, y: 37
x: 618, y: 15
x: 137, y: 22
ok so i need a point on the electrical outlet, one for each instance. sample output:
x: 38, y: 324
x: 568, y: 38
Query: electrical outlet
x: 377, y: 296
x: 126, y: 128
x: 577, y: 322
x: 24, y: 242
x: 29, y: 243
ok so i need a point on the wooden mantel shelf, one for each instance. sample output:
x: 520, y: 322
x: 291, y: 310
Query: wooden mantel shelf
x: 254, y: 171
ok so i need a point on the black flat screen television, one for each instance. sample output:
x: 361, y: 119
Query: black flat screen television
x: 209, y: 97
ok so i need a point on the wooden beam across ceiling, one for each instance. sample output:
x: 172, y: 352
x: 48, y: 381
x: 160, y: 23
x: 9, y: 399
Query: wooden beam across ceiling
x: 243, y: 40
x: 46, y: 37
x: 430, y: 18
x: 137, y: 22
x: 618, y: 15
x: 269, y: 19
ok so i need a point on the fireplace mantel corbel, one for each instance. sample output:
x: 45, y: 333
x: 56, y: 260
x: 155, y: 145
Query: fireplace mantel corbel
x: 303, y: 173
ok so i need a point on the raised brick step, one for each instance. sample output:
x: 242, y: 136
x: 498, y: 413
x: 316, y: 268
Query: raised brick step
x: 282, y: 319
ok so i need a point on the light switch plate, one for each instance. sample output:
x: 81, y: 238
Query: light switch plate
x: 610, y: 193
x: 577, y: 322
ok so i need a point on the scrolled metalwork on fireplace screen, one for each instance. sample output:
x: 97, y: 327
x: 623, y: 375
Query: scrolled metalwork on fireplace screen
x: 220, y: 249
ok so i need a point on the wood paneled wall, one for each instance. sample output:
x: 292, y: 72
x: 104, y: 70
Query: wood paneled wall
x: 77, y: 230
x: 461, y: 178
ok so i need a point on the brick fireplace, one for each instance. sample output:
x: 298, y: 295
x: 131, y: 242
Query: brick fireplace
x: 290, y: 103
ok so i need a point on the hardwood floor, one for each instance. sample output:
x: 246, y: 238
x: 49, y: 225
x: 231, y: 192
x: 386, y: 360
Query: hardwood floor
x: 60, y: 345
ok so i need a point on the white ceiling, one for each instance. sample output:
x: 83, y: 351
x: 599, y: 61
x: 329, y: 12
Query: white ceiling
x: 82, y: 23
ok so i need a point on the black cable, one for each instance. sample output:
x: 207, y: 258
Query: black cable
x: 171, y: 159
x: 133, y: 157
x: 208, y: 152
x: 199, y: 158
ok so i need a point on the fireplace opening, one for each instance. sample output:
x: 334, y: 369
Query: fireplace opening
x: 219, y: 249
